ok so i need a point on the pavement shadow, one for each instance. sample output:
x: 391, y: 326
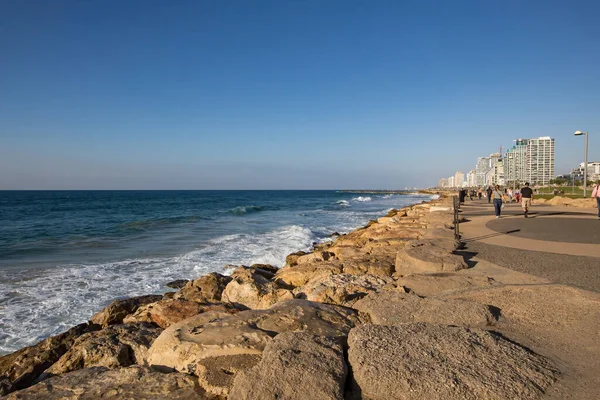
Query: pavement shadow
x: 468, y: 257
x: 491, y: 235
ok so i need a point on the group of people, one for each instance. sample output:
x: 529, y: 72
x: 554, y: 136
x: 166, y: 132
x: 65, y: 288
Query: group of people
x: 525, y: 195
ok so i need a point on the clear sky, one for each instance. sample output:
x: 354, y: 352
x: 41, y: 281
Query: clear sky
x: 296, y: 94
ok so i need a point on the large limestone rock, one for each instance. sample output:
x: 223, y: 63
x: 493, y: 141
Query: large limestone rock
x: 21, y: 368
x: 189, y: 345
x: 206, y: 288
x: 119, y: 309
x: 427, y: 361
x: 342, y: 289
x: 251, y: 288
x: 429, y: 256
x: 112, y: 347
x: 292, y: 363
x: 300, y: 274
x: 443, y: 282
x: 164, y: 313
x: 131, y: 383
x: 394, y: 308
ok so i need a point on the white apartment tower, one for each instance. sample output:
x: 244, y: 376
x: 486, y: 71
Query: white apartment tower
x: 540, y: 160
x: 530, y: 160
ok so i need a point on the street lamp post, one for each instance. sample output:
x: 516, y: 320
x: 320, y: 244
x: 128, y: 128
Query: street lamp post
x: 585, y: 163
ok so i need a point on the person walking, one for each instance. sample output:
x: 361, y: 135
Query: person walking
x: 596, y: 194
x: 526, y: 198
x: 489, y: 194
x: 497, y: 196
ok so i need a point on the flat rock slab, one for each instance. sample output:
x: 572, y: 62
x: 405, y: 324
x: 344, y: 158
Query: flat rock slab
x: 429, y: 256
x: 428, y: 361
x: 394, y: 308
x: 442, y: 282
x: 131, y: 383
x: 186, y: 346
x: 295, y: 364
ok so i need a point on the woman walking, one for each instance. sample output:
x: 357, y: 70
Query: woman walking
x: 596, y: 194
x: 497, y: 196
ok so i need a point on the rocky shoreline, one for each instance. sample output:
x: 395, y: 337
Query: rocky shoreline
x: 384, y: 312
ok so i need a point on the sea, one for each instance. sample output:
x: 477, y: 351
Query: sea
x: 65, y: 255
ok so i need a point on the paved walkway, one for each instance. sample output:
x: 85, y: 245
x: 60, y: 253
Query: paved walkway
x: 561, y: 244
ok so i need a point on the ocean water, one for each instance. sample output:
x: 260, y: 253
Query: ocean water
x: 65, y: 255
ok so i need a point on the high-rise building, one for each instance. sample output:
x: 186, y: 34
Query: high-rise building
x: 540, y: 160
x: 515, y: 171
x: 451, y: 182
x: 530, y: 160
x: 459, y: 179
x: 498, y: 177
x: 471, y: 178
x: 443, y: 183
x: 481, y: 169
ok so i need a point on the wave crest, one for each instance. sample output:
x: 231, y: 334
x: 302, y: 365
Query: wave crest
x: 362, y: 199
x: 242, y: 210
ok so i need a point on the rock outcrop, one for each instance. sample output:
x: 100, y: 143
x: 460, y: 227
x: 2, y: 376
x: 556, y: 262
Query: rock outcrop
x: 429, y: 256
x: 119, y: 309
x: 253, y: 288
x: 20, y: 369
x: 113, y: 347
x: 428, y: 361
x: 131, y: 383
x: 190, y: 345
x: 166, y: 312
x: 395, y: 308
x: 343, y: 289
x: 442, y: 282
x: 206, y: 288
x: 293, y: 363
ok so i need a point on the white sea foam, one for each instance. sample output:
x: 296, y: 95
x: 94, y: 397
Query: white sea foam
x: 362, y: 199
x: 343, y: 203
x: 49, y: 303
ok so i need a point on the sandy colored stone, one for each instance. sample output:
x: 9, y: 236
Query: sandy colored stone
x: 552, y: 315
x: 251, y: 288
x: 131, y: 383
x: 186, y: 346
x: 429, y: 361
x: 395, y: 308
x: 443, y: 282
x: 216, y: 374
x: 119, y: 309
x: 20, y: 369
x: 342, y: 289
x: 429, y: 256
x: 206, y: 288
x: 300, y: 274
x: 112, y: 347
x: 293, y: 364
x: 166, y: 312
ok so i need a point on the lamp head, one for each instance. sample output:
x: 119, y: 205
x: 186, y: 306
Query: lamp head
x: 579, y: 133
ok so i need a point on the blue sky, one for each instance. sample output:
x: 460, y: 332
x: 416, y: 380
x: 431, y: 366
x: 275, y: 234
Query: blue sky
x: 295, y: 94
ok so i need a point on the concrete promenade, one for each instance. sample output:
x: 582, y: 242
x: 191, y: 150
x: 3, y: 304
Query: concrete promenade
x: 557, y: 244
